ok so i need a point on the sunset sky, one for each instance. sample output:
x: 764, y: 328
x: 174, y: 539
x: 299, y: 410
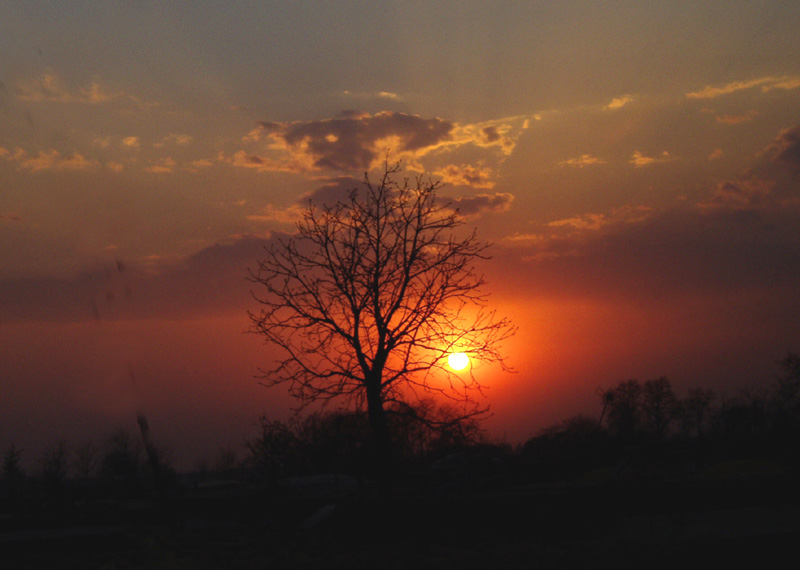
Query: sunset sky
x: 635, y: 164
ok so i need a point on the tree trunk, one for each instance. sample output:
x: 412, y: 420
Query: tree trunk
x: 381, y: 437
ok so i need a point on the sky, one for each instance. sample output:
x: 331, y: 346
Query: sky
x: 635, y: 165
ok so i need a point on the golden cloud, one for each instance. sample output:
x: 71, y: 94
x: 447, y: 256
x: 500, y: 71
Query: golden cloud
x: 592, y: 221
x: 766, y: 84
x: 48, y: 160
x: 582, y: 161
x: 270, y: 213
x: 357, y: 140
x: 162, y: 166
x: 49, y: 88
x: 618, y: 102
x: 639, y: 160
x: 466, y: 175
x: 737, y: 119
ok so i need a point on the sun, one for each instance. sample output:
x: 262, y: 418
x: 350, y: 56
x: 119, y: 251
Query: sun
x: 458, y: 361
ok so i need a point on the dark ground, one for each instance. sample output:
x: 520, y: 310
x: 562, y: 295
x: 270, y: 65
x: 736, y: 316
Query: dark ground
x: 487, y: 521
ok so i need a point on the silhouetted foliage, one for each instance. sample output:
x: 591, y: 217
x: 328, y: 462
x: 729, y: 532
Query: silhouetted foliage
x: 122, y: 464
x: 12, y: 470
x: 659, y: 407
x: 624, y: 413
x: 695, y: 412
x: 55, y: 464
x: 787, y: 393
x: 339, y: 440
x: 741, y: 418
x: 86, y: 459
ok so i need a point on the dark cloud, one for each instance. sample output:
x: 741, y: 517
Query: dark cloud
x: 681, y: 252
x: 333, y: 191
x: 742, y: 194
x: 490, y: 134
x: 212, y: 280
x: 480, y: 203
x: 787, y: 145
x: 352, y: 141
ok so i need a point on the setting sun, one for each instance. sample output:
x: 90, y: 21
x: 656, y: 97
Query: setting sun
x: 458, y: 361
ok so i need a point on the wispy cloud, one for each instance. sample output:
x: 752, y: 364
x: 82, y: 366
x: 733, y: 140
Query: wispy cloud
x: 639, y: 160
x: 372, y: 95
x: 466, y: 175
x: 582, y: 161
x: 50, y: 88
x: 594, y: 221
x: 270, y: 213
x: 47, y: 160
x: 162, y: 166
x: 765, y: 83
x: 737, y: 119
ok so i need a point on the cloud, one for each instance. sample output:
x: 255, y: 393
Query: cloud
x: 357, y: 140
x: 739, y: 195
x: 330, y: 193
x: 373, y: 95
x: 638, y: 159
x: 162, y: 166
x: 48, y: 160
x: 270, y: 213
x: 593, y: 221
x: 618, y: 102
x: 197, y: 165
x: 787, y: 83
x: 466, y: 175
x: 212, y: 280
x: 737, y: 119
x: 582, y: 161
x: 766, y: 84
x: 680, y: 252
x: 131, y: 142
x: 352, y: 141
x: 49, y: 88
x: 483, y: 203
x: 787, y: 147
x: 173, y: 139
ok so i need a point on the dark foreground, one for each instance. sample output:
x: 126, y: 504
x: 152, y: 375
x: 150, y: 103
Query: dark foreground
x: 333, y: 521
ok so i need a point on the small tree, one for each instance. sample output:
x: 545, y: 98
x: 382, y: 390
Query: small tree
x: 659, y: 405
x: 369, y: 298
x: 624, y: 409
x: 12, y: 471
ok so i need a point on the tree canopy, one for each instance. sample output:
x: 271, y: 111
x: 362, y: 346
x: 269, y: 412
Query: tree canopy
x: 372, y: 294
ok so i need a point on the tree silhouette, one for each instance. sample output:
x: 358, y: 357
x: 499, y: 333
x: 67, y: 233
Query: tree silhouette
x: 659, y: 406
x: 624, y: 409
x: 369, y: 298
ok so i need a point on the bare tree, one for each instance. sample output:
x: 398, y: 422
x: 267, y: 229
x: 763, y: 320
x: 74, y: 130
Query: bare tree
x: 371, y: 295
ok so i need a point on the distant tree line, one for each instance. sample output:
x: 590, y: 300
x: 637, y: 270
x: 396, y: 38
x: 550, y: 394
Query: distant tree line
x: 649, y: 420
x: 635, y: 420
